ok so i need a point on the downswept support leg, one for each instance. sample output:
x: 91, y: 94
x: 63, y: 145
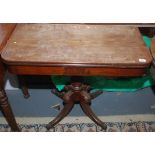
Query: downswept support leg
x: 65, y: 111
x: 68, y: 105
x: 74, y: 93
x: 88, y: 111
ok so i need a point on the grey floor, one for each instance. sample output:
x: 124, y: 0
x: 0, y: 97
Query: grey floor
x: 109, y: 103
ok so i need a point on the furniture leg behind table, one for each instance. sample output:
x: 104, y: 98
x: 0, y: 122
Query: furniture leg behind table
x: 27, y: 82
x: 4, y: 103
x: 23, y: 86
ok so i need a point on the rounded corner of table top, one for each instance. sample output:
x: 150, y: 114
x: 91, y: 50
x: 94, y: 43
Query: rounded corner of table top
x: 2, y: 57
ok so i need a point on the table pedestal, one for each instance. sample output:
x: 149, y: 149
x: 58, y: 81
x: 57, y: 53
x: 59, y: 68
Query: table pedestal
x: 76, y: 93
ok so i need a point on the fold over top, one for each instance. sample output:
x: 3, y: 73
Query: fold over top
x: 76, y: 44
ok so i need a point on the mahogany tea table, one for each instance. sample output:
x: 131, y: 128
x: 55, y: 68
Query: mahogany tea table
x: 74, y: 50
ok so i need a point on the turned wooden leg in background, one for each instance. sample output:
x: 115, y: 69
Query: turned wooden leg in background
x: 23, y: 86
x: 6, y: 109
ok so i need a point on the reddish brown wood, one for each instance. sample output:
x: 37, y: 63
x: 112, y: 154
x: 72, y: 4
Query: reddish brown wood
x: 76, y: 50
x: 5, y: 32
x: 2, y: 72
x: 76, y: 44
x: 65, y: 111
x: 77, y: 71
x: 148, y: 31
x: 7, y: 111
x: 153, y: 47
x: 153, y: 50
x: 76, y: 93
x: 88, y: 111
x: 23, y: 86
x: 6, y: 108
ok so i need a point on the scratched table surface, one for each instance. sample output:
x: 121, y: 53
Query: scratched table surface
x: 76, y: 44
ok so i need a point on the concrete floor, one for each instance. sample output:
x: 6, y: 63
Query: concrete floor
x: 109, y: 103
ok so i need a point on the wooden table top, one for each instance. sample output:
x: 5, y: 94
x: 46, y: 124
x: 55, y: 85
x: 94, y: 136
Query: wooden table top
x: 76, y: 44
x: 5, y: 32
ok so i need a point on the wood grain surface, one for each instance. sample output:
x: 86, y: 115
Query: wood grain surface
x: 76, y: 44
x: 5, y: 32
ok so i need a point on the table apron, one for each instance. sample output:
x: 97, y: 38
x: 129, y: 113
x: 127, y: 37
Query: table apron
x: 76, y: 71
